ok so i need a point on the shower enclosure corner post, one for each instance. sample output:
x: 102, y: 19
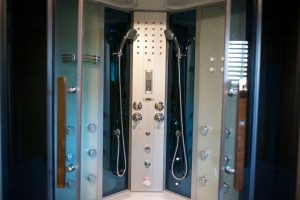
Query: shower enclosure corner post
x: 194, y: 191
x: 225, y: 88
x: 50, y: 125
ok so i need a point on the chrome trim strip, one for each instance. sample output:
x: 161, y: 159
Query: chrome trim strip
x: 79, y: 94
x: 225, y: 88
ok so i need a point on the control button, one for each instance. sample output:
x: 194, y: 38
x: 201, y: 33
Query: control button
x: 147, y: 133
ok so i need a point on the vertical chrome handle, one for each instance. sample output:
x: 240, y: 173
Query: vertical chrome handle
x: 61, y: 130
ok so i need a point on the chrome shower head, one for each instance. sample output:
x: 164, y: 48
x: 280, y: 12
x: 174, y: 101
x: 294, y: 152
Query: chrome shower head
x: 171, y: 36
x: 130, y: 35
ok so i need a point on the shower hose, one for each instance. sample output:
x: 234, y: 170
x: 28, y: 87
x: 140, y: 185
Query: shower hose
x: 178, y: 134
x: 122, y: 129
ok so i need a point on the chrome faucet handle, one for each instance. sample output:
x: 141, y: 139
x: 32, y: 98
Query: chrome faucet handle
x: 136, y: 117
x: 159, y: 117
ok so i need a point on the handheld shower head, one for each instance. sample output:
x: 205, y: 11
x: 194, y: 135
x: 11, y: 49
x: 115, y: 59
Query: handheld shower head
x: 130, y: 35
x: 171, y: 36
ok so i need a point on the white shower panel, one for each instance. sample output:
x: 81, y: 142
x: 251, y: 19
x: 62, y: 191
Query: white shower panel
x: 148, y: 87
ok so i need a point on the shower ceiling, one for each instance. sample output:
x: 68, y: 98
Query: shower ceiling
x: 157, y: 5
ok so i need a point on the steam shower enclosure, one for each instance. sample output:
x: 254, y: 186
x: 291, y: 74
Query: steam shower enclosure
x: 132, y: 91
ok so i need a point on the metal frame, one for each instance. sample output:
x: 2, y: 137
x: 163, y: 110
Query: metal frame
x: 79, y: 94
x: 225, y: 85
x: 254, y: 106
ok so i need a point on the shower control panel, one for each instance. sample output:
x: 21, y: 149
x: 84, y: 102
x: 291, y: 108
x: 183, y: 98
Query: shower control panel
x: 148, y: 84
x: 148, y: 95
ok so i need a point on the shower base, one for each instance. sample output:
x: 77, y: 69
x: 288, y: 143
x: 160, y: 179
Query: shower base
x: 145, y: 196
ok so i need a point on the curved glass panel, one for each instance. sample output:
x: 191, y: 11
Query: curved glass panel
x: 117, y: 24
x: 184, y: 27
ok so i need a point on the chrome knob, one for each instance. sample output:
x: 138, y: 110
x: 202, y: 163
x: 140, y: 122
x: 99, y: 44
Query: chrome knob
x: 159, y: 106
x: 229, y: 170
x: 159, y: 117
x: 136, y: 117
x: 137, y: 105
x: 147, y: 163
x: 70, y: 168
